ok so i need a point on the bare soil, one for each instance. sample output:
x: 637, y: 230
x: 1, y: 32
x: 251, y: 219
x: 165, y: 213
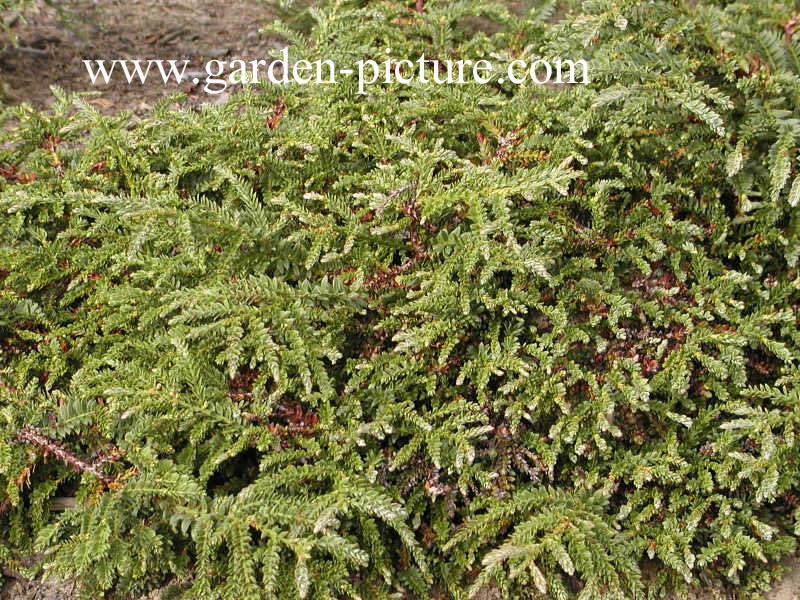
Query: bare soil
x: 789, y: 587
x: 55, y: 39
x: 19, y: 589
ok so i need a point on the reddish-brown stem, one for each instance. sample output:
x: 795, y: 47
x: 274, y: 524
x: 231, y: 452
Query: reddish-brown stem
x: 33, y: 436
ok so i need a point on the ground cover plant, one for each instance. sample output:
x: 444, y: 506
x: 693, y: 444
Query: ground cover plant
x: 406, y: 344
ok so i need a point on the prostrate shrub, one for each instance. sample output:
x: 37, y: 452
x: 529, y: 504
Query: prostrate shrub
x: 319, y: 344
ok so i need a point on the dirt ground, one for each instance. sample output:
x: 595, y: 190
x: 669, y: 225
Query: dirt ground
x: 16, y: 589
x: 52, y: 44
x: 789, y: 587
x: 56, y: 37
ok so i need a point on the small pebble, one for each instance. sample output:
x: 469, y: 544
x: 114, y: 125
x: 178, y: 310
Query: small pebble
x: 216, y: 52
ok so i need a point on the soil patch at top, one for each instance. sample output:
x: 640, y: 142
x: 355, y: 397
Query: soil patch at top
x: 54, y: 40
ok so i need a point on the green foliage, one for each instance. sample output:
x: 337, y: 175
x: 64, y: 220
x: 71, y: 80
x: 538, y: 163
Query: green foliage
x: 313, y: 344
